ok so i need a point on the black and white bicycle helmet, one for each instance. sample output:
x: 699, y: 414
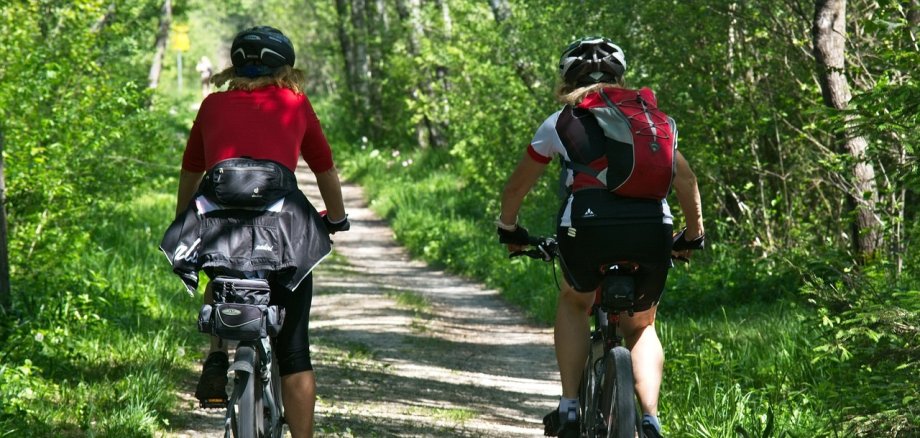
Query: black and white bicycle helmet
x: 259, y: 51
x: 591, y: 60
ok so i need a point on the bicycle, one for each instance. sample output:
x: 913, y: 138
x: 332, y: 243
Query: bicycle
x: 608, y: 368
x: 241, y: 312
x: 606, y: 396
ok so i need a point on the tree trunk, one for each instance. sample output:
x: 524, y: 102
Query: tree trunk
x: 380, y: 12
x: 377, y: 32
x: 501, y: 10
x: 448, y: 23
x: 162, y: 38
x: 410, y: 13
x: 106, y: 18
x: 5, y: 298
x: 348, y: 55
x: 829, y: 34
x: 361, y: 59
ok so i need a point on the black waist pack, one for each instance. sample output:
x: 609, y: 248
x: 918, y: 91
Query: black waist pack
x: 244, y: 182
x: 240, y: 311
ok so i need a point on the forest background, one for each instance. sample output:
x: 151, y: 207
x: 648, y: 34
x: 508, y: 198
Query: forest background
x: 801, y: 318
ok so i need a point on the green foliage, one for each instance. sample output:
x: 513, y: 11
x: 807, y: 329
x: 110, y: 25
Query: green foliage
x: 754, y: 127
x: 75, y: 121
x: 101, y: 354
x: 870, y: 327
x: 92, y: 343
x: 763, y: 326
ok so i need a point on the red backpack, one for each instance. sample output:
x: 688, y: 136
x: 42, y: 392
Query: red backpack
x: 641, y: 143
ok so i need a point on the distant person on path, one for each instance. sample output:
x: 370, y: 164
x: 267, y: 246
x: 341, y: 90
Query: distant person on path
x: 597, y: 226
x: 205, y: 69
x: 264, y: 116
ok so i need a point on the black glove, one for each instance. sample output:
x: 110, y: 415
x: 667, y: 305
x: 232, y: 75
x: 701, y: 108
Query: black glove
x: 517, y: 237
x: 333, y: 228
x: 680, y: 244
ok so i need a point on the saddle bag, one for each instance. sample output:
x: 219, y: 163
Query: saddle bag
x: 618, y: 293
x: 618, y: 289
x: 240, y: 311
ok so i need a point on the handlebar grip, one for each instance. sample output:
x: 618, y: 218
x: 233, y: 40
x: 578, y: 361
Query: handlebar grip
x: 680, y: 244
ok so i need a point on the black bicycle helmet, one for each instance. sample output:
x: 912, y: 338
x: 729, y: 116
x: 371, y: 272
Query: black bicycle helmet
x: 591, y: 60
x: 259, y: 51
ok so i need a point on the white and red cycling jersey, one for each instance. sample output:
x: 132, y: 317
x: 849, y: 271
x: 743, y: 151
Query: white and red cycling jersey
x: 589, y: 202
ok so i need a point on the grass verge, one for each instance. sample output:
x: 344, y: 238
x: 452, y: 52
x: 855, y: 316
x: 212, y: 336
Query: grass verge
x: 101, y: 351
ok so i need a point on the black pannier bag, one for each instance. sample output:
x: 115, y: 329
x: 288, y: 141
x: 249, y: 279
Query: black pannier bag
x: 240, y: 311
x: 244, y: 182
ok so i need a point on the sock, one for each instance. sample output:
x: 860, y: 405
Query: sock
x: 651, y: 419
x: 569, y: 408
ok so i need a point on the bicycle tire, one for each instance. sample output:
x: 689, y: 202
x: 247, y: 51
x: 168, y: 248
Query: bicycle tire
x: 619, y: 394
x: 589, y: 395
x: 276, y: 425
x: 249, y: 406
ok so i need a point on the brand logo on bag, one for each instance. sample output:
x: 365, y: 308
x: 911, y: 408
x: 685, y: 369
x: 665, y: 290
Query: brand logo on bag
x: 264, y: 247
x: 230, y: 312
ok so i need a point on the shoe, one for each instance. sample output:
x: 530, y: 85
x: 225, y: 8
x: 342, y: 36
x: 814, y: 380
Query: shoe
x: 649, y: 430
x: 212, y: 385
x: 563, y: 425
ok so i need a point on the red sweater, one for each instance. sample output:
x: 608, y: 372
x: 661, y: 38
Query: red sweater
x: 270, y: 123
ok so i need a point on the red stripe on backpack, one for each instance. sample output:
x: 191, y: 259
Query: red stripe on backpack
x: 632, y: 118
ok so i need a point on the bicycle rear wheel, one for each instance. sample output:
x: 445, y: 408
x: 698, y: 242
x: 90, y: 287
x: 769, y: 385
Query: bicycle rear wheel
x: 248, y: 413
x: 619, y: 394
x: 273, y: 400
x: 589, y: 396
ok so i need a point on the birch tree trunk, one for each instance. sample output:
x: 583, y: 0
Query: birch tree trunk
x: 378, y: 26
x: 156, y: 67
x: 501, y: 11
x: 829, y: 38
x: 410, y: 13
x: 106, y: 18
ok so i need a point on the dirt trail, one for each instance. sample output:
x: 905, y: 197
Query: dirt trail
x: 404, y: 350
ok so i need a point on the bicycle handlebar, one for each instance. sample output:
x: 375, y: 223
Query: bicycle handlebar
x: 544, y: 248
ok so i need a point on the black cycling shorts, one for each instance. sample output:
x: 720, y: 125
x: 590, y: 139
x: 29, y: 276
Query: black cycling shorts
x: 292, y: 345
x: 648, y: 245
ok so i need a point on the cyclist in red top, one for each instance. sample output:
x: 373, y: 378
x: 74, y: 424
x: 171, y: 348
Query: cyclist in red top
x: 265, y: 115
x: 596, y: 226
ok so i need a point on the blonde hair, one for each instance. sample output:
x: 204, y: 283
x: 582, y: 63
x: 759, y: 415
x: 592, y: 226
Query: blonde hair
x: 570, y: 94
x: 284, y: 77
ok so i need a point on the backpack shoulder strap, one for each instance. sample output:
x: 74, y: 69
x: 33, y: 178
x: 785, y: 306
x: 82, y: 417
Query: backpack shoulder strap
x: 581, y: 168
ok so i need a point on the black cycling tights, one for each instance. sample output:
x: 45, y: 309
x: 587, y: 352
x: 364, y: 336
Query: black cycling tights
x: 292, y: 345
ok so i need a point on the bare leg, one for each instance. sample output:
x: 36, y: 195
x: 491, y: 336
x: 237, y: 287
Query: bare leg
x: 571, y: 337
x: 298, y: 391
x: 647, y: 357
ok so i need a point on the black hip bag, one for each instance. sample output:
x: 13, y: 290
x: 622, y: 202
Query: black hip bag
x: 245, y: 182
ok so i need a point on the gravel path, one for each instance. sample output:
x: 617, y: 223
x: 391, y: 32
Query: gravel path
x: 404, y: 350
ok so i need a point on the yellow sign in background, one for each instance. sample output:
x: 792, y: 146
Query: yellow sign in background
x: 180, y: 41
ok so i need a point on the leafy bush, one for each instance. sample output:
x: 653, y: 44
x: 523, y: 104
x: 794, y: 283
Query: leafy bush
x: 869, y: 324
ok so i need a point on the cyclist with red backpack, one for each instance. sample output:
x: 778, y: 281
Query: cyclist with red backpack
x: 620, y: 158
